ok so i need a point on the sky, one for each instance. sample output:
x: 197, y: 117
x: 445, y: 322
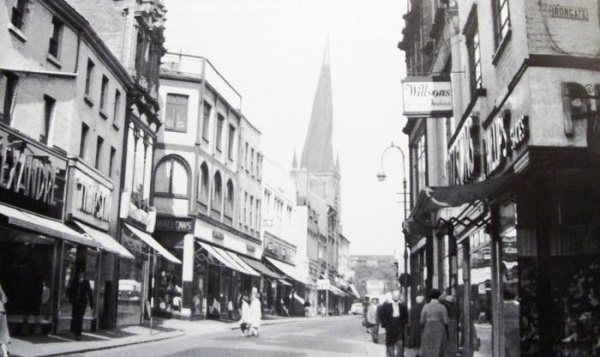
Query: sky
x: 271, y: 51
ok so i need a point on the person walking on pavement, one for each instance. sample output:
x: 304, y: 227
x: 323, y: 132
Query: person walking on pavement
x: 394, y: 316
x: 415, y: 322
x: 80, y: 295
x: 255, y: 313
x: 435, y: 318
x: 245, y: 316
x: 4, y: 333
x: 372, y: 319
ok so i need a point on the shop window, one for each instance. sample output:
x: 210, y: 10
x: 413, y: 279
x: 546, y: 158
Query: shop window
x: 8, y: 91
x: 54, y: 42
x: 176, y: 114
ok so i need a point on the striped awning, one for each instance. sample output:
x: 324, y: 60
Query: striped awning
x: 228, y: 259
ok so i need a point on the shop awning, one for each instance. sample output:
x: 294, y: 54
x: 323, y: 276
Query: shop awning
x: 337, y: 291
x: 283, y: 282
x: 228, y: 259
x: 433, y: 198
x: 45, y: 226
x: 291, y: 271
x: 354, y: 291
x: 106, y: 241
x: 153, y: 244
x: 259, y: 267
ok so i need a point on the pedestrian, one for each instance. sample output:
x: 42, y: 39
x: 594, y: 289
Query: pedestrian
x: 434, y: 317
x: 372, y: 321
x: 245, y: 319
x: 306, y: 308
x: 80, y: 295
x: 255, y: 313
x: 449, y: 302
x: 4, y: 333
x: 511, y: 324
x: 415, y: 322
x: 394, y: 316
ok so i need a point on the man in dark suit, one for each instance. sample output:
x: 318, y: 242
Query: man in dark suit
x: 80, y: 294
x: 394, y: 316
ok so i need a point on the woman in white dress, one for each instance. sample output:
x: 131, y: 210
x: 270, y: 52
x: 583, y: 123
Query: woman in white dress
x: 255, y: 313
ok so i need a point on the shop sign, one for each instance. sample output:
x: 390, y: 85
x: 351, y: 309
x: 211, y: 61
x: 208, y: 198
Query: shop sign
x: 425, y: 97
x: 464, y: 157
x: 218, y: 235
x: 92, y: 200
x: 146, y: 215
x: 502, y: 141
x: 323, y: 284
x: 172, y: 224
x: 31, y: 177
x: 569, y: 12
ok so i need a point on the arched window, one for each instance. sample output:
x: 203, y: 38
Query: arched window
x: 171, y: 178
x: 229, y: 199
x: 203, y: 184
x: 217, y: 193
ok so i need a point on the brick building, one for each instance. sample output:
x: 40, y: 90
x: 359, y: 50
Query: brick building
x: 509, y: 220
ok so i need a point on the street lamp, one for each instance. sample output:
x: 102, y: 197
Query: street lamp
x: 381, y: 176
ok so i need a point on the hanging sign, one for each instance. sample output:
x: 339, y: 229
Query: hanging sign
x: 425, y: 97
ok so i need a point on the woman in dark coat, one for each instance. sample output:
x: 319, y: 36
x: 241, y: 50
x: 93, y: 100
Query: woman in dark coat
x: 80, y: 294
x: 435, y: 318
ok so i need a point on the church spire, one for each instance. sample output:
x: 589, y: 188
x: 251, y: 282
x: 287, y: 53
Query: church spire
x: 317, y: 154
x: 295, y: 161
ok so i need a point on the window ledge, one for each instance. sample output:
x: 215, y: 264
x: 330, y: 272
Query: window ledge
x: 55, y: 61
x: 17, y: 32
x: 88, y: 100
x: 501, y: 48
x: 103, y: 114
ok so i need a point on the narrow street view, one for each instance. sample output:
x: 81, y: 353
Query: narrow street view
x: 390, y: 178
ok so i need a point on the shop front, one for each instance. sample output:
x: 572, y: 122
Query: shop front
x: 38, y: 252
x: 292, y: 299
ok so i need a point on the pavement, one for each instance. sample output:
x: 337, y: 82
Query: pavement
x: 161, y: 329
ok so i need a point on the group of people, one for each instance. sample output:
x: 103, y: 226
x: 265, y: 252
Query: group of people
x: 251, y: 314
x: 393, y: 317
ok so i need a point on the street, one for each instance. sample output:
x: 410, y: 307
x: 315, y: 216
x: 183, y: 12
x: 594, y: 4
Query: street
x: 333, y: 336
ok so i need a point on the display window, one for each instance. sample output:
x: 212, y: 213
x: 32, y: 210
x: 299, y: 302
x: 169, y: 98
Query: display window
x: 168, y: 288
x: 131, y: 287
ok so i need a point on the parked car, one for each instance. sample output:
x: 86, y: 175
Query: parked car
x: 356, y: 308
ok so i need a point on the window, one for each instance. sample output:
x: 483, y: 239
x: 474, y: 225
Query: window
x: 176, y: 115
x: 246, y: 157
x: 111, y: 162
x: 139, y: 54
x: 501, y: 20
x: 251, y: 161
x: 250, y: 210
x: 217, y: 193
x: 83, y: 143
x: 229, y: 199
x: 103, y: 92
x: 171, y: 179
x: 99, y: 145
x: 18, y: 14
x: 117, y: 106
x: 89, y: 77
x: 8, y: 90
x: 472, y: 34
x: 231, y: 142
x: 53, y: 46
x: 49, y: 103
x: 205, y: 120
x: 421, y: 164
x: 219, y: 141
x: 203, y: 194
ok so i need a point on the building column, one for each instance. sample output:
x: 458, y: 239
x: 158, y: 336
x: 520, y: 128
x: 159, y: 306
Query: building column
x: 187, y: 275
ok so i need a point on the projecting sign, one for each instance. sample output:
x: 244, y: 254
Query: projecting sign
x: 424, y: 97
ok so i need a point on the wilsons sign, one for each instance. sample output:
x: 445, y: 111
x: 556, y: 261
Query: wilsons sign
x: 31, y: 177
x: 424, y: 97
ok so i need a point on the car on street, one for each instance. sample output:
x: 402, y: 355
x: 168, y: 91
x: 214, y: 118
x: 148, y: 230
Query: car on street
x: 356, y: 308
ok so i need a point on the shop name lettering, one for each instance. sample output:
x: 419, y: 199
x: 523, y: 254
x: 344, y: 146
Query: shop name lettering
x: 90, y: 201
x: 501, y: 143
x: 174, y: 225
x: 26, y: 174
x: 568, y: 12
x: 464, y: 155
x: 425, y: 90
